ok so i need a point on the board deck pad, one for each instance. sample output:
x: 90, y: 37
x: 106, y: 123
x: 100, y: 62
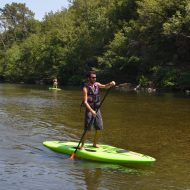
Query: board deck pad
x: 105, y: 153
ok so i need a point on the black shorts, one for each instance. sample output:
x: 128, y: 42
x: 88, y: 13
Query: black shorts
x: 97, y: 122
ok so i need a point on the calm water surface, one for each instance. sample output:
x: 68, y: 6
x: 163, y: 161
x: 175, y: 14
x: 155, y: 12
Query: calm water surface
x: 156, y: 125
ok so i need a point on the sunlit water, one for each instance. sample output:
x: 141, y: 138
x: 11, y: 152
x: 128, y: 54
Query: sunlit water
x: 157, y: 125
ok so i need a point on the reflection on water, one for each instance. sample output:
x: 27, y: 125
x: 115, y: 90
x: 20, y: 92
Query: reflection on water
x: 156, y: 125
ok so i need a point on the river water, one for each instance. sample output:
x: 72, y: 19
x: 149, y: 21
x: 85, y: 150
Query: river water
x: 154, y: 124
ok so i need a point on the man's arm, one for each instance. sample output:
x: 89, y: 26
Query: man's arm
x: 85, y: 100
x: 108, y: 85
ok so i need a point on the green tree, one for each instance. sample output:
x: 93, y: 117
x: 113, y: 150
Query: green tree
x: 14, y: 18
x: 11, y: 70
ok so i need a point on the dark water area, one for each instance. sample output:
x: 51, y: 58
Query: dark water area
x: 157, y: 125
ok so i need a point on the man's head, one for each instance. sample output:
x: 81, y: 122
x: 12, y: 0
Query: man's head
x: 91, y: 76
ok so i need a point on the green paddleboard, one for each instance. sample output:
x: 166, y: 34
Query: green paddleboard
x: 51, y: 88
x: 105, y: 153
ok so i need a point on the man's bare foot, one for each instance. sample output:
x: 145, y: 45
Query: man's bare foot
x: 96, y: 146
x: 82, y: 148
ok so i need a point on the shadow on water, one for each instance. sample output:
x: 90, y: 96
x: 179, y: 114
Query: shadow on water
x: 107, y: 167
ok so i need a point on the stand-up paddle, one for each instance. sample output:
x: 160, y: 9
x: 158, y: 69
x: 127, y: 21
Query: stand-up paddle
x: 90, y: 123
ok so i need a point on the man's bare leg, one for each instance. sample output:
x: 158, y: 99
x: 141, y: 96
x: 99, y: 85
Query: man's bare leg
x: 96, y: 138
x: 83, y: 141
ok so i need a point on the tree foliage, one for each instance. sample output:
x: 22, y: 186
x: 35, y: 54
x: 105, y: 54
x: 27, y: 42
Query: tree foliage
x: 123, y: 39
x: 14, y: 22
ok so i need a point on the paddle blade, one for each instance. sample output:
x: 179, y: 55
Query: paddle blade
x: 72, y: 156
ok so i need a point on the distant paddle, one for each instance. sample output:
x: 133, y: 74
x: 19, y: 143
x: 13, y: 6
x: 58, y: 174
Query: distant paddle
x: 90, y: 123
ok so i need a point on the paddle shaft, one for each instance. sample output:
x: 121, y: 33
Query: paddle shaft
x: 91, y: 121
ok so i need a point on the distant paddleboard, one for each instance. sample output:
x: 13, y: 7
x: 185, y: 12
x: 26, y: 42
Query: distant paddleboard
x: 51, y: 88
x: 105, y: 153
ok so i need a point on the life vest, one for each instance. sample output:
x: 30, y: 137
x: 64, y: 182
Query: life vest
x: 93, y: 94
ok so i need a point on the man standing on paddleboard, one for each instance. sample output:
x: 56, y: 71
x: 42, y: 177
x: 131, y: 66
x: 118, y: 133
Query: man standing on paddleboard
x: 91, y: 100
x: 55, y: 83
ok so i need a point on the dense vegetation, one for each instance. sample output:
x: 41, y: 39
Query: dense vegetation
x: 125, y: 40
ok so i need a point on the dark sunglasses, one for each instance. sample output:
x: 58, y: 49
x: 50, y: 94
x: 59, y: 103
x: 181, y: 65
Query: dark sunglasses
x: 93, y: 77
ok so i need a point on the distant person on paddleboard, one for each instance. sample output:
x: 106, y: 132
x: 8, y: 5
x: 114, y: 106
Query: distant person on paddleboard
x: 91, y: 100
x: 55, y: 83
